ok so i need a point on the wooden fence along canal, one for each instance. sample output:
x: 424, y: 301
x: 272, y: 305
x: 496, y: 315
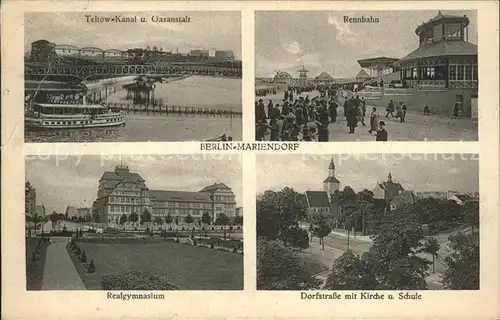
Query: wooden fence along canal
x: 161, y: 109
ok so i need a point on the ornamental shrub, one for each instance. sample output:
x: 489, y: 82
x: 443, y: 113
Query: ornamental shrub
x: 136, y: 280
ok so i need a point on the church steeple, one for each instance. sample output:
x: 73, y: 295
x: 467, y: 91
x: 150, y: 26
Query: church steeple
x: 331, y: 184
x: 331, y: 169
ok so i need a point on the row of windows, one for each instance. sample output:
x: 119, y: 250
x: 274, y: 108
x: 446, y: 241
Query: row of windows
x: 164, y: 212
x: 170, y: 204
x: 76, y: 122
x: 463, y: 72
x: 224, y: 206
x: 124, y: 200
x: 124, y: 209
x: 451, y: 31
x: 224, y: 198
x: 456, y: 72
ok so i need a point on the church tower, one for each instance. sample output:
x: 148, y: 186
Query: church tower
x: 331, y: 184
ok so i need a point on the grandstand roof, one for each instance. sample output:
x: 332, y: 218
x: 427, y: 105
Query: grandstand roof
x: 442, y: 48
x: 440, y: 18
x: 371, y: 62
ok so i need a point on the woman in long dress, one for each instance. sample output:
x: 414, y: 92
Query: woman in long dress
x: 374, y: 120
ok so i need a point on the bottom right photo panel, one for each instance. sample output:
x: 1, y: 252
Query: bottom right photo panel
x: 368, y: 222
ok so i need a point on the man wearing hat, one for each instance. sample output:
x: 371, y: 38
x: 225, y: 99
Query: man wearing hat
x: 382, y: 134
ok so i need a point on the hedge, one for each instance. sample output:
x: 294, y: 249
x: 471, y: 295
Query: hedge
x: 136, y: 280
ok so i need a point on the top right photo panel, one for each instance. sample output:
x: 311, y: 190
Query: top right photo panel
x: 366, y: 76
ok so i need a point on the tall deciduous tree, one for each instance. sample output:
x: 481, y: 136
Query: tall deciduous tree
x: 123, y: 219
x: 350, y: 272
x: 394, y: 256
x: 463, y: 263
x: 471, y: 214
x: 134, y: 217
x: 222, y: 220
x: 277, y: 212
x: 206, y: 218
x: 145, y: 216
x: 279, y: 268
x: 188, y: 219
x: 320, y: 227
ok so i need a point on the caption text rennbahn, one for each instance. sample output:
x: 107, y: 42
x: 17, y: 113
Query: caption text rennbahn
x: 243, y: 146
x: 360, y: 296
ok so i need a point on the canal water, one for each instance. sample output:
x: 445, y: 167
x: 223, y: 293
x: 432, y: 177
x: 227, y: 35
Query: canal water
x: 203, y: 92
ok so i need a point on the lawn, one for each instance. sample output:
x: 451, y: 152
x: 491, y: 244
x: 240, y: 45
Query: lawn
x: 187, y: 267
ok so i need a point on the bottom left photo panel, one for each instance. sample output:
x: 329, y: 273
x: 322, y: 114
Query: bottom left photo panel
x: 134, y: 222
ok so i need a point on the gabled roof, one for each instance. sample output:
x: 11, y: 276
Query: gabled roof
x: 391, y: 189
x: 442, y: 48
x: 317, y: 199
x: 362, y: 75
x: 324, y: 76
x: 282, y: 74
x: 405, y: 197
x: 180, y: 196
x: 214, y: 187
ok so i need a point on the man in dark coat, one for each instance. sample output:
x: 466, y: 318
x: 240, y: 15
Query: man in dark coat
x: 352, y: 117
x: 382, y: 134
x: 260, y: 111
x: 269, y: 109
x: 332, y: 108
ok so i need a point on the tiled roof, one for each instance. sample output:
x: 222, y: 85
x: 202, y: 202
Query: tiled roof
x: 391, y: 189
x: 317, y: 199
x: 180, y: 196
x: 214, y: 186
x: 442, y: 48
x: 301, y: 199
x: 405, y: 197
x: 121, y: 175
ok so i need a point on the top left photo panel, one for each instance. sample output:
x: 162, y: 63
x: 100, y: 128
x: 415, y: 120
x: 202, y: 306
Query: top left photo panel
x: 132, y: 76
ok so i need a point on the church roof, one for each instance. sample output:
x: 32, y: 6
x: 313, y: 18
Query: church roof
x: 362, y: 75
x: 317, y: 199
x: 441, y: 48
x: 331, y: 179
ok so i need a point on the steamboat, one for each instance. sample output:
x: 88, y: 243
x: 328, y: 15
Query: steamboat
x: 67, y: 108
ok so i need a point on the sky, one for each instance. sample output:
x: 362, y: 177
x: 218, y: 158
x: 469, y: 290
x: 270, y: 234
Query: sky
x: 73, y: 180
x: 416, y: 172
x: 321, y: 41
x: 207, y: 30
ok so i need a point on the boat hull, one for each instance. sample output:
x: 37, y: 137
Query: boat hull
x: 73, y: 123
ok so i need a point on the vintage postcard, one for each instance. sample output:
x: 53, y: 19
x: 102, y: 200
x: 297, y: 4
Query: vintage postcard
x: 250, y: 160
